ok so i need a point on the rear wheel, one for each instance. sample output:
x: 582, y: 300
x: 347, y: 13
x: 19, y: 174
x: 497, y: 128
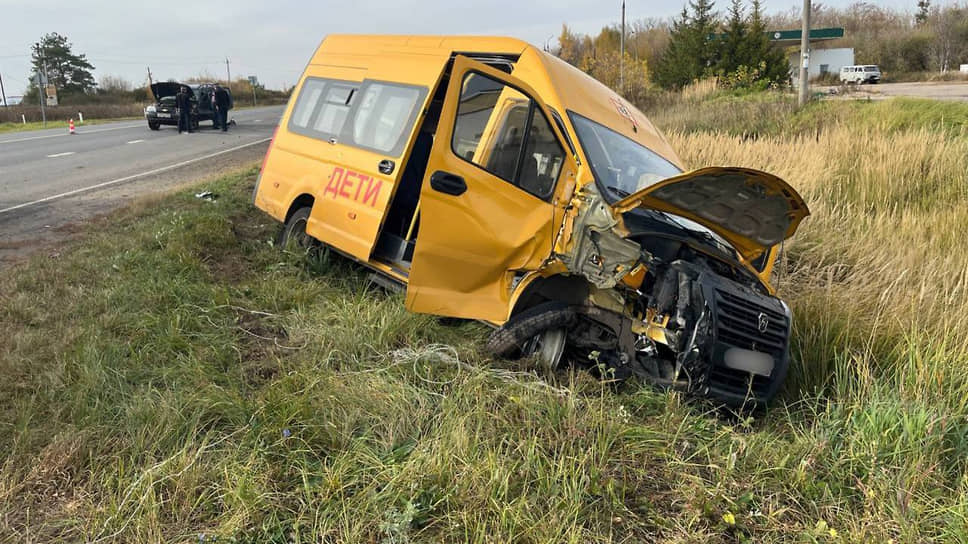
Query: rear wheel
x: 294, y: 232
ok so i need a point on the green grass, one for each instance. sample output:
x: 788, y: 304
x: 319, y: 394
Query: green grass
x: 174, y: 374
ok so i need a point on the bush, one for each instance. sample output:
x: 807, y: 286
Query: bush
x: 63, y: 113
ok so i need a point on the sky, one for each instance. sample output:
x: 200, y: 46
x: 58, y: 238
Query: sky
x: 273, y: 39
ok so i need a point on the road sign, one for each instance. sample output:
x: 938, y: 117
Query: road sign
x: 51, y: 93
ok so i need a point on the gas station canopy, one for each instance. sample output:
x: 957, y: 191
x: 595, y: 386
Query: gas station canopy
x: 792, y: 37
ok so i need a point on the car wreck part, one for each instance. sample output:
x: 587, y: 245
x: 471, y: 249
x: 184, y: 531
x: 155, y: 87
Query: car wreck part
x: 547, y: 346
x: 690, y: 329
x: 597, y: 251
x: 517, y: 338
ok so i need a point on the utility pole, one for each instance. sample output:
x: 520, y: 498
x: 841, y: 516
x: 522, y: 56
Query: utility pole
x: 805, y: 54
x: 150, y: 83
x: 42, y: 83
x: 228, y: 74
x: 3, y: 94
x: 621, y: 62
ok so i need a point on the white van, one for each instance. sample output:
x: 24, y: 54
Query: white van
x: 868, y: 73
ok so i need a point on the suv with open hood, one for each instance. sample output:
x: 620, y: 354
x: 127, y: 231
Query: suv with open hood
x: 493, y: 181
x: 163, y: 111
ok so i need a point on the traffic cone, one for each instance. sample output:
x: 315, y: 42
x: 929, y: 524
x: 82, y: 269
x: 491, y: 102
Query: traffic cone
x: 71, y: 126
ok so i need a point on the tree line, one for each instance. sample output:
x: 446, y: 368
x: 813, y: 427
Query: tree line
x: 72, y: 75
x: 734, y: 46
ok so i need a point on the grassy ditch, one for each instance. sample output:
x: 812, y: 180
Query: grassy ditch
x: 174, y: 375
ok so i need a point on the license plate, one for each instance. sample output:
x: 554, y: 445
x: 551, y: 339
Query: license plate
x: 165, y: 115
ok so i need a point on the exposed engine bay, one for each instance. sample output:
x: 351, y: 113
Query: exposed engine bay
x: 661, y: 302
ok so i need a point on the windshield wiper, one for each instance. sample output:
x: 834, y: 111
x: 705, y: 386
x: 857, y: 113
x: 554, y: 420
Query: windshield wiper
x: 620, y: 192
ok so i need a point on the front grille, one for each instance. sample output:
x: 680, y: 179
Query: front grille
x: 737, y: 382
x: 738, y: 322
x: 738, y: 325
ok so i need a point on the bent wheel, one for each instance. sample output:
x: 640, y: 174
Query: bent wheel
x: 540, y: 331
x: 548, y: 346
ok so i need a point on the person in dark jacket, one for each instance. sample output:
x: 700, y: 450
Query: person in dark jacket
x: 222, y: 104
x: 214, y: 107
x: 183, y: 101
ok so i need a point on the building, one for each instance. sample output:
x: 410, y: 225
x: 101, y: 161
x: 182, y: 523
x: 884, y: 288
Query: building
x: 823, y: 60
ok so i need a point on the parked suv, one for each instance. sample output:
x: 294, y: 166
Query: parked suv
x: 163, y: 111
x: 868, y: 73
x: 493, y: 181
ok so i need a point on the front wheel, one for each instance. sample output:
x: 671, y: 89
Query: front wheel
x: 153, y: 125
x: 541, y: 332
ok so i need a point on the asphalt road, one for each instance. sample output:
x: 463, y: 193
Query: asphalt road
x: 938, y: 90
x: 50, y: 179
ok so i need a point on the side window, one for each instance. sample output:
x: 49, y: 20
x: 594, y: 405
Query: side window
x: 386, y: 113
x: 543, y: 158
x: 335, y: 107
x: 499, y: 129
x: 306, y: 103
x: 373, y: 115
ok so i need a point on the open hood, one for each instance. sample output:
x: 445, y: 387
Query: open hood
x: 752, y: 210
x: 162, y: 89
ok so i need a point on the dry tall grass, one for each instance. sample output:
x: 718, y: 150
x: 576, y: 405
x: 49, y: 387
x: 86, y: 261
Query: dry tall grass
x: 878, y: 279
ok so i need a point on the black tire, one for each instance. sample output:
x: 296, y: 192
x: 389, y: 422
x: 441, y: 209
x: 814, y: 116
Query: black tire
x: 294, y: 231
x: 154, y: 125
x: 506, y: 342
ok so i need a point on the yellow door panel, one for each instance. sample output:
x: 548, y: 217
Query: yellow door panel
x: 485, y: 204
x: 347, y: 144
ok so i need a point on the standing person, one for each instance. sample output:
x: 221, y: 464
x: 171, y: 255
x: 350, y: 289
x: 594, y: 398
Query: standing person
x: 223, y: 102
x: 183, y: 101
x: 214, y: 107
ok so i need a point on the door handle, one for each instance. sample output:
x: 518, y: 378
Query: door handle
x: 447, y: 183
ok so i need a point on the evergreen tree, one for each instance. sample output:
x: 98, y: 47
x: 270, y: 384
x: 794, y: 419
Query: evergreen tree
x: 769, y: 59
x: 70, y: 73
x: 691, y: 51
x: 734, y: 46
x: 924, y: 10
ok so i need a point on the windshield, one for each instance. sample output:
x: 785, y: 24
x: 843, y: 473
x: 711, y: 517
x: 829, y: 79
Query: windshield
x: 624, y: 166
x: 619, y: 164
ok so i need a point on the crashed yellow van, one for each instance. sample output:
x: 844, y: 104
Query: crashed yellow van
x: 493, y: 181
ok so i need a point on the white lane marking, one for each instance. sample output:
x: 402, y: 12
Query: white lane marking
x: 55, y: 155
x: 135, y: 141
x: 131, y: 177
x: 257, y: 120
x: 66, y: 134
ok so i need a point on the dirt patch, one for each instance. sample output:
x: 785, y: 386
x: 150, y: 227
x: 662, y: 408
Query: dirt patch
x: 263, y: 344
